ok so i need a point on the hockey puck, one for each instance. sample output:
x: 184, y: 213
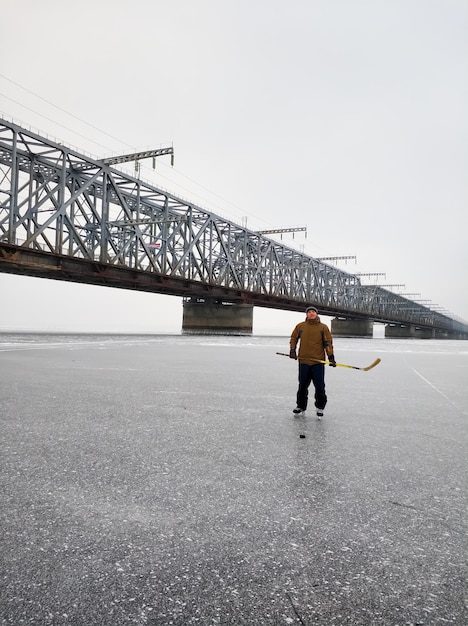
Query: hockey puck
x: 302, y: 436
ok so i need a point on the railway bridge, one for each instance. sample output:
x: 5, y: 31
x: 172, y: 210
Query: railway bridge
x: 67, y: 216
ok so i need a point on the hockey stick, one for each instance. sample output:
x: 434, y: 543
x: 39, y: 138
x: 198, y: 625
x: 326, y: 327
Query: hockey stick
x: 364, y: 369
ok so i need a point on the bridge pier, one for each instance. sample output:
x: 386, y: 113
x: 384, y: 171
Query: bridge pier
x: 202, y: 316
x: 424, y: 333
x: 398, y: 331
x: 352, y: 328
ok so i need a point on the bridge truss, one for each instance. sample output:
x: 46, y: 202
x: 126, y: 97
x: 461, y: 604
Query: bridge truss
x: 67, y: 216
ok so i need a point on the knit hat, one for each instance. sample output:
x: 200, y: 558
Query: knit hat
x: 311, y: 308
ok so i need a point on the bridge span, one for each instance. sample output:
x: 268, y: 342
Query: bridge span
x: 67, y: 216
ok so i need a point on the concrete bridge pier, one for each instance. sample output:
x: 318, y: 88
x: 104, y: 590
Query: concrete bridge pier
x: 203, y: 316
x: 424, y: 333
x: 443, y: 334
x: 399, y: 331
x: 352, y: 328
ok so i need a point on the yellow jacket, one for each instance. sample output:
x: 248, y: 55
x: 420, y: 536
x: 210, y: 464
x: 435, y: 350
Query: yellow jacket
x: 315, y: 341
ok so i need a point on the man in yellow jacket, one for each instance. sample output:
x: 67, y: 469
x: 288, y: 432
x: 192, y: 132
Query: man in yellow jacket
x: 315, y: 341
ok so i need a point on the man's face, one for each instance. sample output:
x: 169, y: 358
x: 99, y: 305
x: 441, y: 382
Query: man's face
x: 311, y: 315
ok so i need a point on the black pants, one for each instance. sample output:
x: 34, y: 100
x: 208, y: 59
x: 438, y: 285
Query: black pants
x: 316, y: 375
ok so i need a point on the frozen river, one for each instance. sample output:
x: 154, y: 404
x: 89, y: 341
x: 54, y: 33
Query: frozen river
x: 163, y: 480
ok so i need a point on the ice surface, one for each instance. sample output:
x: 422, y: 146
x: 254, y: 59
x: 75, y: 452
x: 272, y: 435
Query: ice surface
x: 163, y: 480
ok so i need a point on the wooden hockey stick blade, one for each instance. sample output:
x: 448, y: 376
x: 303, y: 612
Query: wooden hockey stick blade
x: 369, y: 367
x: 353, y: 367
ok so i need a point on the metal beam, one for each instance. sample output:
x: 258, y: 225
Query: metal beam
x: 274, y: 231
x: 138, y: 156
x: 372, y: 274
x: 337, y: 258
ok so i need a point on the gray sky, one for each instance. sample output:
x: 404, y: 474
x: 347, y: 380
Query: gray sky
x: 345, y: 116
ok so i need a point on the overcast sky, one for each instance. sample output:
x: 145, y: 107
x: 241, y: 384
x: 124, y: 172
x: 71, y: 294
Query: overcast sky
x: 348, y: 117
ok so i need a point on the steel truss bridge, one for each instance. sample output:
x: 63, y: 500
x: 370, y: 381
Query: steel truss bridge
x: 66, y: 216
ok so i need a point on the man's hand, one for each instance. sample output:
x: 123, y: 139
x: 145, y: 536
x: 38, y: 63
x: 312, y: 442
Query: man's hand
x: 331, y: 359
x: 292, y: 354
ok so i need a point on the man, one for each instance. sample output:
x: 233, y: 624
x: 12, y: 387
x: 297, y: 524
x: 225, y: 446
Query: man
x: 315, y: 341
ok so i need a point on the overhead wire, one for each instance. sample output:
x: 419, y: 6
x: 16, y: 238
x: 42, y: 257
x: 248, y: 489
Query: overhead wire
x: 242, y: 214
x: 63, y: 111
x: 51, y: 120
x: 93, y: 141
